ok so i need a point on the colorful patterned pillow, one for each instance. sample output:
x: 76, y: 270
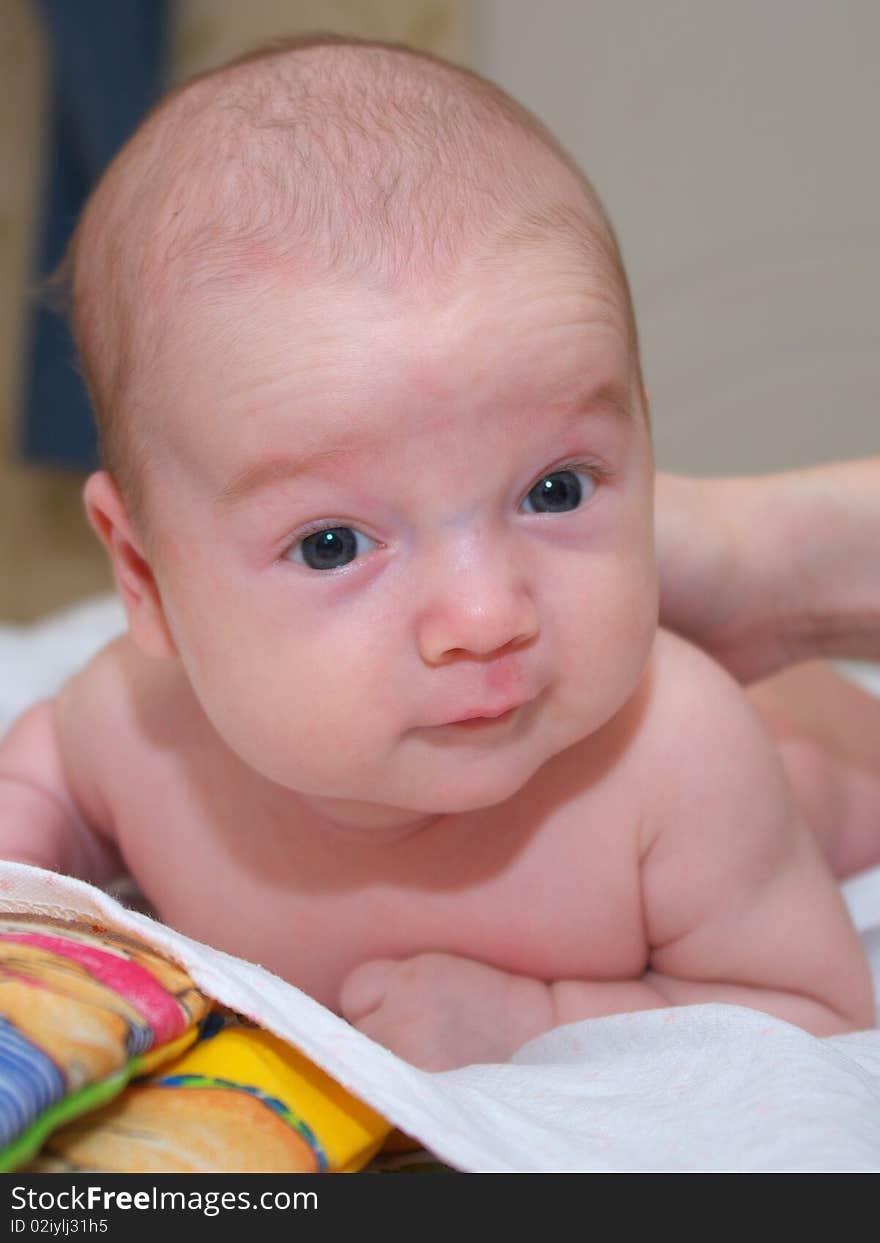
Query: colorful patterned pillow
x: 241, y: 1101
x: 84, y: 1011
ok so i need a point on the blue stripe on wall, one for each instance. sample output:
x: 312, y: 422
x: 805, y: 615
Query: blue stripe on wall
x: 107, y: 62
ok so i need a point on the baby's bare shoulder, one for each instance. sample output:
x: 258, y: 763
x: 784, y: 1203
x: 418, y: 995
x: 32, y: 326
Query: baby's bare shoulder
x: 100, y: 715
x: 685, y: 707
x: 97, y: 697
x: 703, y: 741
x: 120, y: 685
x: 717, y: 780
x: 685, y: 674
x: 695, y: 703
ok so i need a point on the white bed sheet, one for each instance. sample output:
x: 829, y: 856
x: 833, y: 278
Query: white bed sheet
x: 694, y: 1088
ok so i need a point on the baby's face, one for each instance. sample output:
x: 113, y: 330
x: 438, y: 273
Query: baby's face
x: 406, y: 547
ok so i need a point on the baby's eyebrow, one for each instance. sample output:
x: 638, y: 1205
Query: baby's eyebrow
x: 282, y: 467
x: 276, y: 469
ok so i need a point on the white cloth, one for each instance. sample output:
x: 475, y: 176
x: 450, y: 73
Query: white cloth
x: 694, y: 1088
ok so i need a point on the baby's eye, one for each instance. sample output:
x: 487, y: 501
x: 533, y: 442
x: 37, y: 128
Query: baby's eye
x: 331, y: 548
x: 559, y: 492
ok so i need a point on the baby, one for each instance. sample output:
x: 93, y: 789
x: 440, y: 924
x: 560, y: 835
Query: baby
x: 393, y: 715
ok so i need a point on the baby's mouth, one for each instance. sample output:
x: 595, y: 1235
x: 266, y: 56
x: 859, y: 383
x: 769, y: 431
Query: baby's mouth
x: 481, y: 720
x: 484, y: 718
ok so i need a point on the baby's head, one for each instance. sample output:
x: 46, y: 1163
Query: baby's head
x: 366, y: 372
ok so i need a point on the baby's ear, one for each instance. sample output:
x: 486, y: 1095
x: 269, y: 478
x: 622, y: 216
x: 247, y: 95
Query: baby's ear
x: 137, y: 585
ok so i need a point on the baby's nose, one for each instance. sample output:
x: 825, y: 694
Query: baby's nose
x: 475, y: 609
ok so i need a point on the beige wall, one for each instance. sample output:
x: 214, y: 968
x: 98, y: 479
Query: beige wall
x: 734, y: 143
x: 48, y: 556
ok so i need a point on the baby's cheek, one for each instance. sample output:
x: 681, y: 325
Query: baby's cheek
x: 317, y: 725
x: 608, y: 640
x: 303, y: 728
x: 626, y: 604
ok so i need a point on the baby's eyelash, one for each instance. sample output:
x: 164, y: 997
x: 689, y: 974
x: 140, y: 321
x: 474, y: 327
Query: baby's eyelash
x: 312, y: 528
x: 597, y: 469
x: 324, y: 524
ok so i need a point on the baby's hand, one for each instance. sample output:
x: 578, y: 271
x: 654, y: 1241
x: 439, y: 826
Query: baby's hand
x: 439, y: 1011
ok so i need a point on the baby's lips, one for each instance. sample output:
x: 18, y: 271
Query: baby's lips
x: 487, y: 713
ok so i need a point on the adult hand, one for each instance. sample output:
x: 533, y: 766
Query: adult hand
x: 766, y: 571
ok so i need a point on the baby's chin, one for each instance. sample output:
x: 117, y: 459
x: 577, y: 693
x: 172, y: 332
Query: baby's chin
x: 458, y: 802
x: 469, y: 787
x: 473, y: 777
x: 431, y: 795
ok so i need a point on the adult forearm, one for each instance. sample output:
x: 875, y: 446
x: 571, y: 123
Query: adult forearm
x: 821, y: 535
x: 764, y: 571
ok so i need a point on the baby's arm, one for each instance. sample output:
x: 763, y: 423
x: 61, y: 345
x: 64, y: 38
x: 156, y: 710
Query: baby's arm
x: 40, y: 822
x: 739, y: 905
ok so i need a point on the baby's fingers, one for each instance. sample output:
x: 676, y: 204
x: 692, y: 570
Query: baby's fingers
x: 363, y: 990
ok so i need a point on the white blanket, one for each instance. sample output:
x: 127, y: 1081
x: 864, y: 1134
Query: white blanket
x: 694, y: 1088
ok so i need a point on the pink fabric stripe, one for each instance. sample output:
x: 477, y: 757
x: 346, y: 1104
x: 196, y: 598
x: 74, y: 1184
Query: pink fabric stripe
x: 159, y: 1009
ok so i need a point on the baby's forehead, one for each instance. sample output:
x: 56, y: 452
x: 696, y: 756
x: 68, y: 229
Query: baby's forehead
x: 226, y: 279
x: 523, y: 307
x: 272, y: 369
x: 326, y: 165
x: 268, y: 315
